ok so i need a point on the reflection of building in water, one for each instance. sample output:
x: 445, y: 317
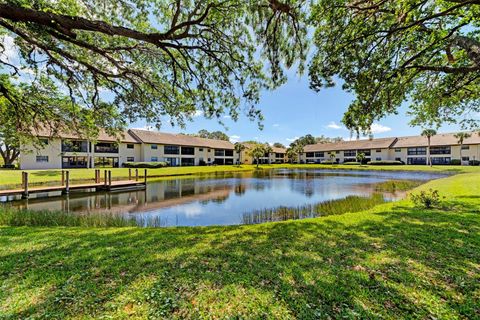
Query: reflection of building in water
x: 158, y: 195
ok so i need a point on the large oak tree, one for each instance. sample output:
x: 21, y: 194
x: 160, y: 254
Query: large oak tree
x: 154, y: 59
x: 387, y: 52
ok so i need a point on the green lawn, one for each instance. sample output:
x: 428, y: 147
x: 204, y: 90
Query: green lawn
x: 10, y: 178
x: 393, y: 261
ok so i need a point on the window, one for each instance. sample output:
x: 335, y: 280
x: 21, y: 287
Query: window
x: 378, y: 150
x: 44, y: 142
x: 130, y: 146
x: 130, y: 159
x: 367, y: 153
x: 279, y: 155
x: 310, y: 154
x: 349, y: 153
x: 228, y: 153
x: 440, y: 150
x: 417, y: 160
x: 378, y: 159
x: 188, y: 150
x: 200, y: 149
x: 398, y: 150
x: 398, y: 159
x: 42, y: 159
x: 188, y: 161
x: 171, y: 149
x: 219, y: 153
x: 465, y: 147
x: 441, y: 160
x: 208, y: 150
x: 465, y: 158
x: 319, y: 154
x: 154, y: 147
x: 173, y: 162
x: 106, y: 147
x: 74, y: 146
x: 154, y: 159
x: 418, y: 151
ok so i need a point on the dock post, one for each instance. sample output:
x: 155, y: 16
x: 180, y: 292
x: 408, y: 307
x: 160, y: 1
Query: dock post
x: 106, y: 178
x: 25, y: 185
x: 63, y: 177
x: 129, y: 174
x: 67, y: 182
x: 136, y: 174
x: 96, y: 175
x: 145, y: 177
x: 109, y: 179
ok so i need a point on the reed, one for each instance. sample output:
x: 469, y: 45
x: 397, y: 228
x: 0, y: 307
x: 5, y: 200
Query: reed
x: 331, y: 207
x: 397, y: 185
x: 16, y: 217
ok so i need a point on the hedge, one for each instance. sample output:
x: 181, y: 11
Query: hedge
x: 145, y: 164
x: 329, y: 162
x: 352, y: 163
x: 455, y: 162
x: 385, y: 163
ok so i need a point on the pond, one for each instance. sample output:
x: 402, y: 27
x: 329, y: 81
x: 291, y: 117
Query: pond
x: 225, y: 199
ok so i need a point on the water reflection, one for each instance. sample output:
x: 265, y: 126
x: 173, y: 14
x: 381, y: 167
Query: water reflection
x: 223, y: 199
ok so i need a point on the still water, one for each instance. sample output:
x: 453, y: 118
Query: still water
x: 223, y: 199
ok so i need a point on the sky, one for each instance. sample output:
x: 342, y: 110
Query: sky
x: 294, y: 110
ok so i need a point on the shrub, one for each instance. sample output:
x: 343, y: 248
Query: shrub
x: 351, y: 163
x: 385, y: 163
x: 474, y: 162
x: 145, y: 164
x: 329, y: 162
x: 455, y: 162
x: 426, y: 199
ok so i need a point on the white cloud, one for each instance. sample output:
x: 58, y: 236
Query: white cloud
x: 334, y: 125
x: 276, y: 125
x: 9, y: 53
x: 234, y: 138
x: 292, y: 139
x: 378, y: 128
x: 146, y: 127
x: 197, y: 113
x: 227, y: 117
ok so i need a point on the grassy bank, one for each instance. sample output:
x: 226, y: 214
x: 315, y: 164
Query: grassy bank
x: 13, y: 177
x: 393, y: 261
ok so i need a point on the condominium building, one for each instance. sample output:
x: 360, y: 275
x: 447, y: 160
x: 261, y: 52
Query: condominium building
x: 67, y: 150
x: 278, y: 155
x: 411, y: 150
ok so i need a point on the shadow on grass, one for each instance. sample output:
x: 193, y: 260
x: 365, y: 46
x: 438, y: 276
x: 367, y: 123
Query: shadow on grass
x: 411, y: 264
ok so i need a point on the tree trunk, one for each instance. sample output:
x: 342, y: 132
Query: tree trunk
x: 429, y: 154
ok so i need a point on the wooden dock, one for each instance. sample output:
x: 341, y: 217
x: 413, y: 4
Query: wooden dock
x: 65, y: 187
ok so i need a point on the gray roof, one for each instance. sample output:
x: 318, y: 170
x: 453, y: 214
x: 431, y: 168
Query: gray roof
x: 444, y: 139
x: 351, y: 145
x: 156, y: 137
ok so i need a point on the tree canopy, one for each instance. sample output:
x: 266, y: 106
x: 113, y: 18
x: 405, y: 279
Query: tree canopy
x: 154, y: 59
x: 216, y: 135
x: 422, y: 53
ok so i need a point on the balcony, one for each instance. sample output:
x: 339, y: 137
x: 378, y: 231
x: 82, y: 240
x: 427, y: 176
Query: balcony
x: 74, y: 146
x: 106, y: 148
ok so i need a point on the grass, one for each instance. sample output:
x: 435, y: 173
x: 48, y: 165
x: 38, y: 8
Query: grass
x: 13, y: 178
x: 392, y: 261
x: 397, y: 185
x: 338, y: 206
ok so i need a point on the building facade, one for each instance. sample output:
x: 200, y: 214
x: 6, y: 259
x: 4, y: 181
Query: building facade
x: 70, y: 151
x: 444, y: 148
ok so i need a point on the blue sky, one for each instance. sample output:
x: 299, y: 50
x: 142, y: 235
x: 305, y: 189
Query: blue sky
x: 294, y: 110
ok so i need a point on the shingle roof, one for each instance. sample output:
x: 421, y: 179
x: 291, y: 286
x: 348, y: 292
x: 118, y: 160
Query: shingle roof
x: 147, y: 136
x: 444, y: 139
x: 351, y: 145
x: 102, y: 136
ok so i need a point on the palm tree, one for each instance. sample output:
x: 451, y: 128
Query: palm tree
x: 461, y: 136
x: 429, y: 133
x: 238, y: 149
